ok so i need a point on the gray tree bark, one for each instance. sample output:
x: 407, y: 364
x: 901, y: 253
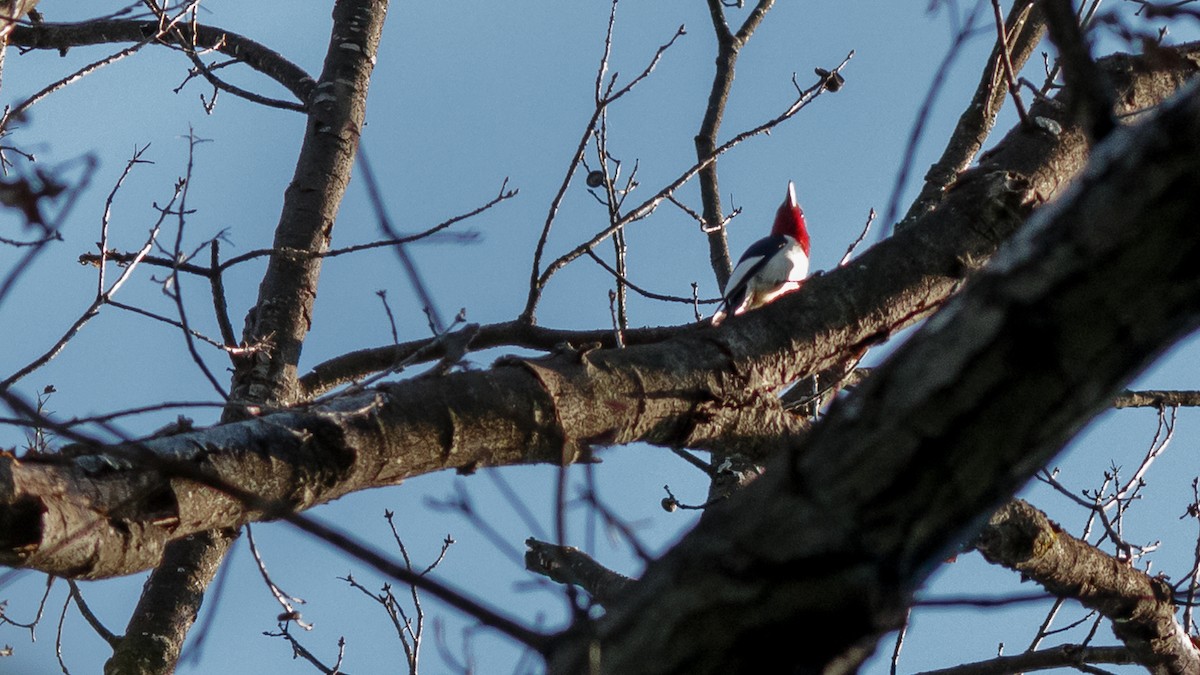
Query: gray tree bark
x: 818, y: 558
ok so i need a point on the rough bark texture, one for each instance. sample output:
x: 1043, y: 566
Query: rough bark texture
x: 283, y: 314
x: 156, y: 632
x: 1139, y: 606
x: 94, y: 513
x: 818, y: 558
x: 815, y: 560
x: 278, y: 324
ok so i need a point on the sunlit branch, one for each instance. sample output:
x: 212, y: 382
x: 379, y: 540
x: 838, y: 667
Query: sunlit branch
x: 267, y: 61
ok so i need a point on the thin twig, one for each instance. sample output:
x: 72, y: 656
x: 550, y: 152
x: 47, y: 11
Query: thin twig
x: 285, y: 600
x: 19, y: 111
x: 514, y: 500
x: 1044, y: 628
x: 923, y: 115
x: 1010, y: 76
x: 647, y: 207
x: 1092, y: 97
x: 174, y: 288
x: 895, y: 662
x: 62, y: 619
x: 177, y: 324
x: 385, y: 223
x: 575, y: 603
x: 103, y: 296
x: 119, y: 28
x: 537, y: 275
x: 432, y: 235
x: 220, y: 307
x: 186, y: 42
x: 461, y: 503
x: 387, y: 309
x: 108, y: 417
x: 644, y: 292
x: 299, y: 650
x: 729, y: 45
x: 1193, y: 577
x: 104, y: 633
x: 861, y: 236
x: 1062, y: 656
x: 51, y: 230
x: 31, y: 626
x: 612, y: 521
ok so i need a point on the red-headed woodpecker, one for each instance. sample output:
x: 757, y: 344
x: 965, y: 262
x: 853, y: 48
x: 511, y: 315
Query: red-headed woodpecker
x: 771, y: 266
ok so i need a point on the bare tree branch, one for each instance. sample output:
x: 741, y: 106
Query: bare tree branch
x: 817, y: 559
x: 280, y: 320
x: 1139, y: 606
x: 1062, y: 656
x: 1157, y: 399
x: 61, y: 36
x: 569, y: 565
x: 549, y: 410
x: 729, y: 45
x: 1091, y: 96
x: 1025, y: 26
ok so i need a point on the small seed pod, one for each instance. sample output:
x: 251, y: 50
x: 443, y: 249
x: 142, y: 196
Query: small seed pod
x: 595, y: 179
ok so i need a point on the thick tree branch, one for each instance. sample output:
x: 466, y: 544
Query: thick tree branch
x: 114, y: 518
x: 1140, y: 607
x: 817, y: 559
x: 289, y: 287
x: 169, y: 605
x: 279, y: 322
x: 355, y: 365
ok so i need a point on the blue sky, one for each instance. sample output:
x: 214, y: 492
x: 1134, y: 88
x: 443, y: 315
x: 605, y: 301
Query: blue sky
x: 466, y: 94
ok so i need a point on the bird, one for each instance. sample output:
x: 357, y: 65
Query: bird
x: 772, y: 266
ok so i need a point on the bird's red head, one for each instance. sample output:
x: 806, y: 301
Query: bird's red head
x: 789, y: 220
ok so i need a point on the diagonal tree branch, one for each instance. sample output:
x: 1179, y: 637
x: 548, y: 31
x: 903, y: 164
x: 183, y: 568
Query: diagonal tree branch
x: 569, y: 565
x: 1023, y: 539
x: 812, y: 563
x: 687, y: 391
x: 1025, y: 26
x: 279, y: 320
x: 289, y: 286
